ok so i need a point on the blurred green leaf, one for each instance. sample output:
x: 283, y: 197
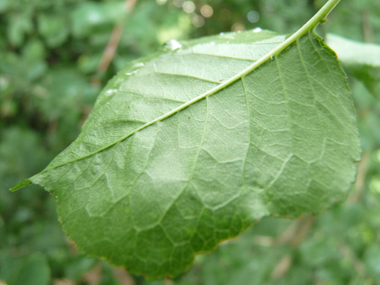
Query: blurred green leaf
x: 54, y: 28
x: 372, y: 259
x: 78, y: 267
x: 90, y: 15
x: 31, y: 270
x: 361, y: 59
x: 20, y: 25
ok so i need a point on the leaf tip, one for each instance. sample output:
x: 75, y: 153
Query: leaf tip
x: 20, y: 185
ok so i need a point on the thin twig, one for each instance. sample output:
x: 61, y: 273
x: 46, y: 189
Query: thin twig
x: 123, y: 277
x: 94, y: 276
x: 347, y: 252
x: 293, y: 236
x: 360, y: 179
x: 296, y: 232
x: 282, y: 267
x: 110, y: 50
x: 168, y: 282
x: 367, y: 29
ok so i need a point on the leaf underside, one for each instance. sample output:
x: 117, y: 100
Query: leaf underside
x: 149, y: 194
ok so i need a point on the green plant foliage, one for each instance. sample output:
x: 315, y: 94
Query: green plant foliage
x: 50, y: 53
x: 33, y: 270
x: 188, y: 147
x: 357, y: 20
x: 361, y: 59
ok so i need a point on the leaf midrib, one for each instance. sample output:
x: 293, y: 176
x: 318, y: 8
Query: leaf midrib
x: 310, y: 25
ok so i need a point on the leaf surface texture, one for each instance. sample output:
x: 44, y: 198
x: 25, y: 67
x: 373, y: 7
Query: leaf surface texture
x: 168, y: 165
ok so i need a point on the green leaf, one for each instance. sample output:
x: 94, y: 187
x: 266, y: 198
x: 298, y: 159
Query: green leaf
x: 53, y: 27
x: 361, y: 59
x: 33, y: 270
x: 188, y: 147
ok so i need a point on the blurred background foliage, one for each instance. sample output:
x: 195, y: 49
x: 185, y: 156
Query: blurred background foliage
x: 53, y: 63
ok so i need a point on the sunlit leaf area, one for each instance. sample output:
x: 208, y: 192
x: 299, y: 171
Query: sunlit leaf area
x: 57, y: 56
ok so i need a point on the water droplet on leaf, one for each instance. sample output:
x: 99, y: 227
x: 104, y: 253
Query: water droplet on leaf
x: 110, y: 92
x: 257, y: 30
x: 130, y: 73
x: 138, y: 65
x: 172, y: 45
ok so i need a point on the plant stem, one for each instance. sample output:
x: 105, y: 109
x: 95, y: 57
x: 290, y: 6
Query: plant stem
x: 113, y: 42
x: 311, y: 24
x: 315, y: 20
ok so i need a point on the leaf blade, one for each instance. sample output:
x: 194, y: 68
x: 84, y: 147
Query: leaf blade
x: 265, y: 143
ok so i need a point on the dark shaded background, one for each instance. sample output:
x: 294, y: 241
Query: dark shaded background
x: 53, y: 63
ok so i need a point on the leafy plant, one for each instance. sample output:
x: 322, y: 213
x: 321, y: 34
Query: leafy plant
x: 362, y: 60
x: 189, y: 146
